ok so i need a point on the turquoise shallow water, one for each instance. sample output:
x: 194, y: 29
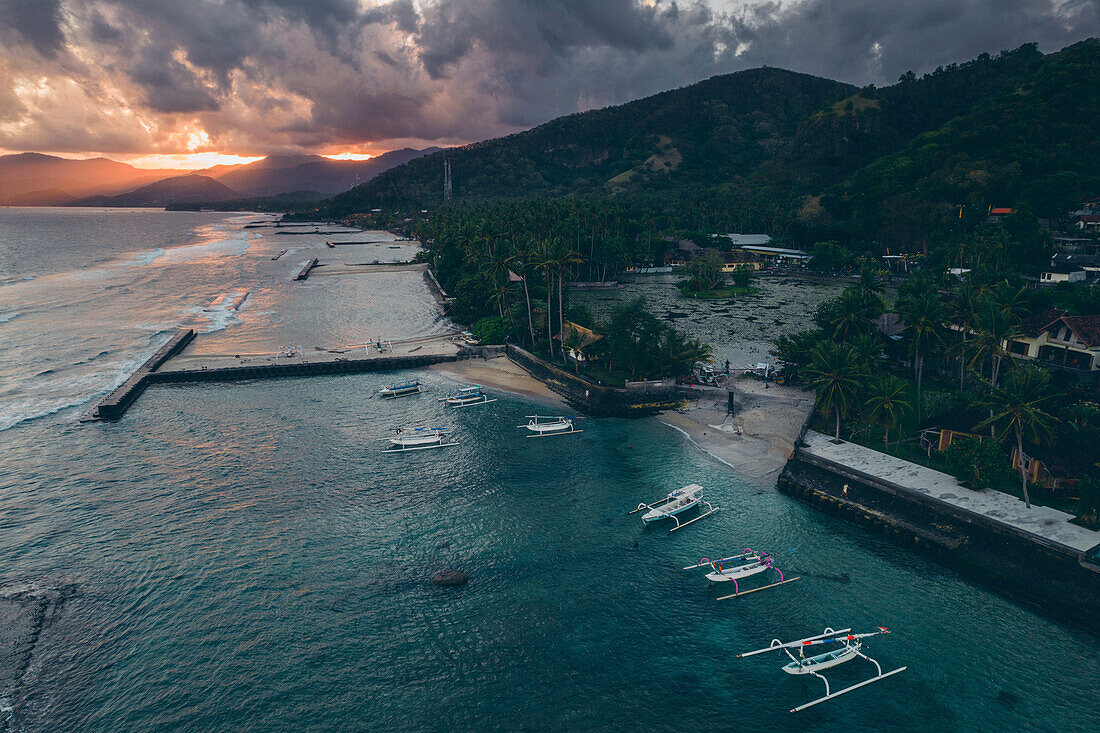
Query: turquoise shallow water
x: 244, y: 558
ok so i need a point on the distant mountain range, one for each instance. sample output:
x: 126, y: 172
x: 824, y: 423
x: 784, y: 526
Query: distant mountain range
x: 33, y: 179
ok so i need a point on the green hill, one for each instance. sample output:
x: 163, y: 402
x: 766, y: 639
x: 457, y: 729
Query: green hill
x: 824, y: 160
x: 709, y: 132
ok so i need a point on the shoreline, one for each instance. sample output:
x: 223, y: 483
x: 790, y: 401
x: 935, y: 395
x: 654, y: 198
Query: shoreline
x: 499, y: 373
x: 770, y: 419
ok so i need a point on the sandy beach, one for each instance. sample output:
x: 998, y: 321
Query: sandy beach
x: 499, y: 373
x: 770, y: 420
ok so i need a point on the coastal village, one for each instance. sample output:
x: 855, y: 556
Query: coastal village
x: 483, y: 435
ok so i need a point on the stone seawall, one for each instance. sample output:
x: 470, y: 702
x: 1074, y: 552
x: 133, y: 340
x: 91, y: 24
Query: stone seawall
x: 1054, y: 577
x: 596, y: 399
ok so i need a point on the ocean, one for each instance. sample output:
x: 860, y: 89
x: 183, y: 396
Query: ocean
x: 242, y: 557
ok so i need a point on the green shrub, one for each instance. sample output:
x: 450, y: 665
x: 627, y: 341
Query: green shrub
x: 490, y: 330
x: 979, y: 463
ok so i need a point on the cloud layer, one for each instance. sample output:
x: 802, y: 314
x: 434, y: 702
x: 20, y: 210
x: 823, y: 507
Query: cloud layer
x: 259, y: 76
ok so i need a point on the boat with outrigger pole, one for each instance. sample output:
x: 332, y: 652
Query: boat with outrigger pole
x: 544, y: 427
x: 400, y: 389
x: 422, y: 438
x: 738, y: 567
x: 676, y: 503
x: 467, y: 397
x: 849, y: 650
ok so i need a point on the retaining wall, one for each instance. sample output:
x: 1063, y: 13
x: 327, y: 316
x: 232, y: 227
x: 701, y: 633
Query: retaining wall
x: 597, y: 399
x: 1054, y: 577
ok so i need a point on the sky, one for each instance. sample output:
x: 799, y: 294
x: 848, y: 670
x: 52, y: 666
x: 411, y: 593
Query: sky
x: 158, y: 82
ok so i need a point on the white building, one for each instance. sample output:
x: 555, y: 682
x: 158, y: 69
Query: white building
x: 1062, y: 273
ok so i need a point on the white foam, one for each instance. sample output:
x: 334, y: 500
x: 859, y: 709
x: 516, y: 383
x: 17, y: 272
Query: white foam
x: 5, y: 317
x: 145, y: 258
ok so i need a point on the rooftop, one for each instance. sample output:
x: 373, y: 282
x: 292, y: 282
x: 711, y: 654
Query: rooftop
x: 588, y: 336
x: 775, y: 251
x: 740, y: 240
x: 1036, y: 324
x: 1087, y: 328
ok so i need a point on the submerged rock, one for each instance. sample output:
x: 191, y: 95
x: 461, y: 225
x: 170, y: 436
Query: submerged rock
x: 450, y: 577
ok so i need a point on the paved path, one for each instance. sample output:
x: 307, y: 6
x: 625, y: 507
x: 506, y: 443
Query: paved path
x: 422, y: 346
x: 1049, y: 524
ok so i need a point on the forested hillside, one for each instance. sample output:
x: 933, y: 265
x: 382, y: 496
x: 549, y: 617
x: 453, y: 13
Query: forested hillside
x: 807, y: 159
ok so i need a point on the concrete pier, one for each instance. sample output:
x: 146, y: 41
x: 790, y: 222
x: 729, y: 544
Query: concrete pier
x: 304, y: 272
x: 114, y: 405
x: 1034, y: 554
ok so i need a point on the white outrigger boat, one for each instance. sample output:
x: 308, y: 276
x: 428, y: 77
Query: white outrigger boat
x: 407, y: 439
x: 678, y: 502
x: 813, y: 665
x: 401, y: 389
x: 467, y: 397
x: 750, y: 562
x: 543, y: 427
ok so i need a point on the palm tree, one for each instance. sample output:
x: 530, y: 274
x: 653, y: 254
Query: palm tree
x: 924, y: 314
x: 565, y: 260
x: 852, y: 316
x: 544, y: 260
x: 1012, y: 301
x: 523, y: 268
x: 870, y: 290
x: 866, y: 349
x: 834, y: 376
x: 886, y: 404
x: 995, y: 329
x: 1018, y: 410
x: 963, y: 310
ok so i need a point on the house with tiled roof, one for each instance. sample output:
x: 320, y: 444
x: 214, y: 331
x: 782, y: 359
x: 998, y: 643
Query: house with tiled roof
x: 577, y: 342
x: 1054, y: 338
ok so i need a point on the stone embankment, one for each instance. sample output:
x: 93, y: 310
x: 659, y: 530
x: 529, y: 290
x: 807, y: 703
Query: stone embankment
x: 600, y: 400
x: 1042, y: 560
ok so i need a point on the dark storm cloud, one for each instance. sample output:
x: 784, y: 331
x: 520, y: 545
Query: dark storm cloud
x: 267, y: 74
x: 35, y: 21
x: 540, y: 33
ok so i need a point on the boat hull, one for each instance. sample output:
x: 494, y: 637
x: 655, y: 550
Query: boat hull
x: 656, y: 515
x: 817, y: 663
x: 736, y: 573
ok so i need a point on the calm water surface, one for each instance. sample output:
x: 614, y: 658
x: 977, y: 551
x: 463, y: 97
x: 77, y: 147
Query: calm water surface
x: 244, y: 557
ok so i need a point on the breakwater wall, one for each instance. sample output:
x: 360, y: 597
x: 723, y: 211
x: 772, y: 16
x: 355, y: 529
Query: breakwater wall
x: 1053, y: 577
x: 339, y: 365
x: 114, y: 405
x: 304, y: 272
x: 596, y: 399
x: 438, y: 292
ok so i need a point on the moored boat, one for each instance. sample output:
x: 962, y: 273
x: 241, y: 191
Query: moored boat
x: 401, y: 389
x: 851, y: 645
x: 467, y: 396
x: 677, y: 502
x: 406, y: 439
x: 543, y: 427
